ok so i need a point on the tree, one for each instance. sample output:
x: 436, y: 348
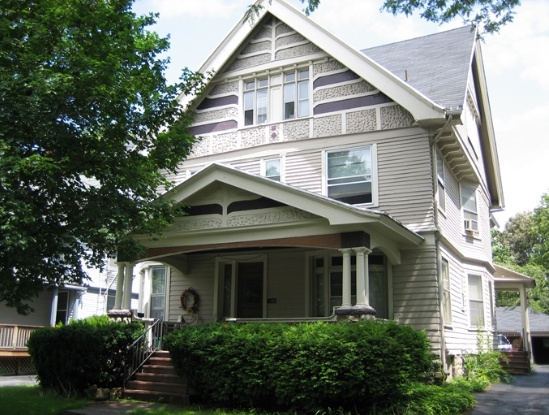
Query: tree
x: 491, y: 15
x: 523, y: 246
x: 84, y: 111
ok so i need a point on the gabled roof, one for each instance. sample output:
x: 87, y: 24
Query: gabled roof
x: 506, y: 278
x: 437, y: 65
x: 337, y: 213
x: 420, y: 106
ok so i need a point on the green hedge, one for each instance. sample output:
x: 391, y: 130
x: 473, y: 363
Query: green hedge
x: 83, y: 353
x: 303, y: 366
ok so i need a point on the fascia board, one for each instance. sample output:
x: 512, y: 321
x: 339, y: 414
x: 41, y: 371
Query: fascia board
x: 494, y: 171
x: 421, y: 107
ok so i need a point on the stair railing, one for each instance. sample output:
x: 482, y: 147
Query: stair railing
x: 142, y: 348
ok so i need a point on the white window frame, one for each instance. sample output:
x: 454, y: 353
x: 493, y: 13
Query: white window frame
x: 446, y: 288
x: 475, y: 299
x: 441, y: 181
x: 277, y: 85
x: 373, y: 173
x: 471, y: 223
x: 265, y: 164
x: 164, y: 294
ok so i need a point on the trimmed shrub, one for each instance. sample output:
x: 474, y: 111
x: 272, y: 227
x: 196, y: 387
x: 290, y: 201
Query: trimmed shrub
x: 304, y: 366
x: 81, y: 354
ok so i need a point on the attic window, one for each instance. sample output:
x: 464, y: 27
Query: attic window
x: 276, y: 97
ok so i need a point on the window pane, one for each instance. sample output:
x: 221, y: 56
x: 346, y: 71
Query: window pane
x: 304, y: 74
x: 289, y: 77
x: 476, y: 313
x: 475, y: 287
x: 441, y: 197
x: 468, y: 199
x: 250, y: 85
x: 476, y: 302
x: 261, y: 106
x: 272, y: 169
x: 159, y: 280
x: 263, y: 83
x: 349, y: 163
x: 289, y: 101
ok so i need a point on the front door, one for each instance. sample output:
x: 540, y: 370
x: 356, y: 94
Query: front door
x: 250, y: 290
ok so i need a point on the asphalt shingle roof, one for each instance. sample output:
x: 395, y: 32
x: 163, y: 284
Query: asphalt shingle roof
x: 437, y: 65
x: 509, y: 320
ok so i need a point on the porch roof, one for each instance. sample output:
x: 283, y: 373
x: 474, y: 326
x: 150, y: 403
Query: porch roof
x: 507, y: 279
x: 316, y: 214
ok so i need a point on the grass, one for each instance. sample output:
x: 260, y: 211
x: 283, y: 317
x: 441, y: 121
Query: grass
x: 32, y: 400
x: 192, y: 410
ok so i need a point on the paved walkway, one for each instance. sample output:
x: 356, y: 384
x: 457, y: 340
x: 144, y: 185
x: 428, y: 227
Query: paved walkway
x: 18, y: 380
x: 121, y: 407
x: 526, y: 395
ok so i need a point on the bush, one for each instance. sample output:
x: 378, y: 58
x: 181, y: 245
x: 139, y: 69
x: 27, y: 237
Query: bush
x: 484, y: 367
x: 302, y: 366
x: 81, y: 354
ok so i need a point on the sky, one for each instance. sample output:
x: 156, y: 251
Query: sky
x: 516, y: 62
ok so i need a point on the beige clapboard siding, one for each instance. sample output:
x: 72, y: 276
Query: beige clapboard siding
x: 201, y: 272
x: 415, y: 279
x: 251, y: 165
x: 303, y: 169
x: 286, y: 283
x: 404, y: 180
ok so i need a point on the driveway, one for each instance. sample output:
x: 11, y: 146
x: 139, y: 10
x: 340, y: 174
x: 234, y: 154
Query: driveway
x: 526, y: 395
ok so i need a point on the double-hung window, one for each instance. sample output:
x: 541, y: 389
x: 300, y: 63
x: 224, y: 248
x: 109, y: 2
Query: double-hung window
x: 296, y: 94
x: 470, y: 209
x: 349, y: 175
x: 476, y: 301
x: 158, y: 292
x: 256, y: 95
x: 276, y: 97
x: 441, y: 185
x: 446, y: 293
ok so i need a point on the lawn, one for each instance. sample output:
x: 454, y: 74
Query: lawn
x: 32, y: 400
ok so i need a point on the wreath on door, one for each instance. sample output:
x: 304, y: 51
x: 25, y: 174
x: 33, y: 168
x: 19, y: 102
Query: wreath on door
x: 189, y: 300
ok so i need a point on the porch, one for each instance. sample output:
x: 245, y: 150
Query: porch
x: 14, y: 357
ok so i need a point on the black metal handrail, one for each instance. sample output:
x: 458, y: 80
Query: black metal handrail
x: 142, y: 348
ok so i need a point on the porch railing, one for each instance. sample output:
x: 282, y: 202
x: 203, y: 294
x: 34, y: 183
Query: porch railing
x: 142, y: 348
x: 15, y: 337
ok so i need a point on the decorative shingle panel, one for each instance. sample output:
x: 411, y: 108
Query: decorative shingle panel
x: 274, y: 133
x: 302, y: 50
x: 394, y: 117
x: 253, y: 137
x: 327, y: 67
x: 361, y: 121
x: 249, y: 62
x: 283, y: 28
x: 201, y: 147
x: 225, y: 88
x: 296, y: 130
x: 327, y: 126
x: 265, y: 33
x: 257, y: 47
x: 216, y: 115
x: 224, y: 142
x: 289, y: 40
x: 346, y: 90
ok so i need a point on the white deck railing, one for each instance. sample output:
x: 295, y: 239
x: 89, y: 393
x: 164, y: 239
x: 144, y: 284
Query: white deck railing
x: 15, y: 337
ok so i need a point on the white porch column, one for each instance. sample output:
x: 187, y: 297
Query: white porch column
x: 362, y: 277
x: 119, y: 285
x: 53, y: 315
x: 525, y: 320
x: 346, y: 287
x: 128, y: 286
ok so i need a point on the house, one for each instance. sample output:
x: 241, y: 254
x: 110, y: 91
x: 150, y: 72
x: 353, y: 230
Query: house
x: 332, y: 183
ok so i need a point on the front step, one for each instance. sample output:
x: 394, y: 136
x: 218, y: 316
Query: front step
x: 158, y: 382
x: 518, y: 363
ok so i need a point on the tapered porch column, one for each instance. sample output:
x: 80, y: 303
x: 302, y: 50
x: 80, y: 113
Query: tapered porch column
x: 346, y: 286
x: 525, y: 320
x: 128, y: 286
x: 119, y: 285
x: 362, y: 277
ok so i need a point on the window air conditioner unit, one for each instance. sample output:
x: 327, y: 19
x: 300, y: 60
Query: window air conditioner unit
x: 471, y: 225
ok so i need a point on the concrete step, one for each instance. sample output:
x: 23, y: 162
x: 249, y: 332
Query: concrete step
x: 160, y: 361
x: 160, y: 377
x: 160, y: 369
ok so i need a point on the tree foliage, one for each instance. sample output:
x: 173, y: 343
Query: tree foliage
x: 84, y: 107
x: 523, y: 246
x: 488, y: 15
